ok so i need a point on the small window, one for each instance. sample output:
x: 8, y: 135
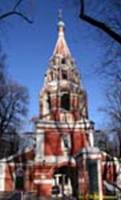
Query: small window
x: 66, y: 144
x: 49, y: 101
x: 19, y: 179
x: 65, y: 101
x: 53, y: 62
x: 51, y: 75
x: 66, y: 141
x: 63, y: 61
x: 66, y: 179
x: 64, y: 75
x: 60, y: 180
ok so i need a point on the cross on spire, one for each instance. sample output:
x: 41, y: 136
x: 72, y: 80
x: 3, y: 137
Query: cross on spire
x: 60, y: 15
x: 61, y: 24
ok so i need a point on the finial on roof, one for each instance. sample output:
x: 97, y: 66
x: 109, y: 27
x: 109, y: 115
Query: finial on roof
x: 61, y: 24
x: 60, y: 21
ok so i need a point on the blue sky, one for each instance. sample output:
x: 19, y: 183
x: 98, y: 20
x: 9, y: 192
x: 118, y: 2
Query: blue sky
x: 29, y: 47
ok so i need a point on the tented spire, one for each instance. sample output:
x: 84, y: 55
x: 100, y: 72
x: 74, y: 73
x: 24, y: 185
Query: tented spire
x: 61, y: 47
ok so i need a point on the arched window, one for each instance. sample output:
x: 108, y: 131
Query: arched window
x: 49, y: 101
x: 65, y: 101
x: 51, y: 75
x: 67, y: 141
x: 63, y: 61
x: 64, y: 74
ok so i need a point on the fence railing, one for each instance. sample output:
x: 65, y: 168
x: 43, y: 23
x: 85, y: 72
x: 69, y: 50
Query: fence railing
x: 97, y: 197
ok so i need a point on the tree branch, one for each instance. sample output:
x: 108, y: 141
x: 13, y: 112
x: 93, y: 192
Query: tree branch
x: 5, y: 15
x: 17, y: 4
x: 15, y: 12
x: 102, y: 26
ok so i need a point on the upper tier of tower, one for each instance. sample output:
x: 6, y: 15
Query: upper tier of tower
x: 62, y: 66
x: 62, y: 93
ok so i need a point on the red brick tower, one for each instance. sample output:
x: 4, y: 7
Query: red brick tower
x: 63, y: 127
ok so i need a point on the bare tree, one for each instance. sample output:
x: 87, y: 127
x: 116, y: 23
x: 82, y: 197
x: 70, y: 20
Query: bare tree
x: 114, y: 104
x: 13, y: 96
x: 13, y: 102
x: 105, y: 16
x: 12, y: 106
x: 113, y: 108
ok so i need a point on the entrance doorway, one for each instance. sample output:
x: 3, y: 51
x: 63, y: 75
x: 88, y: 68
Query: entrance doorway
x: 65, y: 182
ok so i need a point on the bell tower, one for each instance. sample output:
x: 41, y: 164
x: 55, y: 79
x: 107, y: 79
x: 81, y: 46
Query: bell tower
x: 63, y: 97
x: 63, y: 127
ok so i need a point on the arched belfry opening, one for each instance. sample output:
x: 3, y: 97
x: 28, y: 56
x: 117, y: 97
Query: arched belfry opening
x: 63, y: 61
x: 65, y: 101
x: 64, y: 74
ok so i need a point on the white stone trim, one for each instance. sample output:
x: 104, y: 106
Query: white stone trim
x: 40, y: 146
x: 40, y: 123
x: 39, y: 131
x: 43, y: 181
x: 91, y: 138
x: 59, y: 159
x: 82, y: 124
x: 65, y: 126
x: 2, y: 177
x: 93, y: 156
x: 99, y: 179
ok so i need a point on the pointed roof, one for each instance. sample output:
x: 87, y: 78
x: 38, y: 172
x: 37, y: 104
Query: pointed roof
x: 61, y: 47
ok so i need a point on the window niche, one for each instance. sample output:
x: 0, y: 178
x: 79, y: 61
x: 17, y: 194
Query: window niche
x: 66, y: 141
x: 52, y: 75
x: 64, y: 75
x: 93, y: 176
x: 19, y: 179
x: 65, y: 101
x: 63, y: 61
x: 66, y: 144
x: 49, y: 101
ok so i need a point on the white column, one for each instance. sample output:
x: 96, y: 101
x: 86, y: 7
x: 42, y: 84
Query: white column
x: 45, y: 107
x: 39, y: 145
x: 99, y: 179
x: 91, y: 138
x: 2, y: 176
